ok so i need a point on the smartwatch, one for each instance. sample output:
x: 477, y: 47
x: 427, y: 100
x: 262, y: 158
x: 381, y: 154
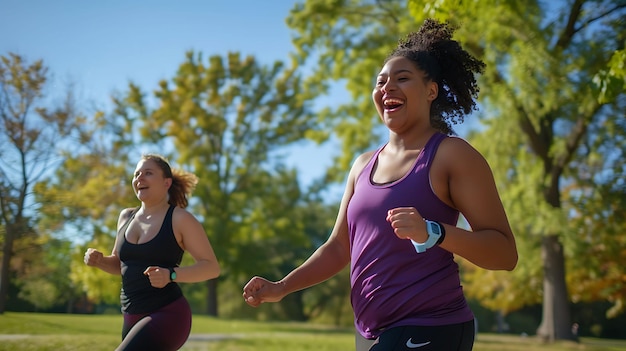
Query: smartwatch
x: 172, y: 274
x: 436, y: 234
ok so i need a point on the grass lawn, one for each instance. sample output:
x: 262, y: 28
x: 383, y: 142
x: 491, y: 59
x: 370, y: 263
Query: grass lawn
x: 43, y: 332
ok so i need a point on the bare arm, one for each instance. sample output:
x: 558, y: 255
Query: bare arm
x: 328, y: 259
x: 195, y: 241
x: 472, y: 190
x: 325, y: 262
x: 110, y: 264
x: 191, y: 237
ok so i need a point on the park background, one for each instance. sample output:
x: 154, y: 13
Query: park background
x: 268, y: 103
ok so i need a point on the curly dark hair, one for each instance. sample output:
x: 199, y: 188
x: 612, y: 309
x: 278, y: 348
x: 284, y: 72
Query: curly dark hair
x: 445, y: 62
x: 183, y: 183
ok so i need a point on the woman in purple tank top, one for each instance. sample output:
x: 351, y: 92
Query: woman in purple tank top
x: 396, y: 225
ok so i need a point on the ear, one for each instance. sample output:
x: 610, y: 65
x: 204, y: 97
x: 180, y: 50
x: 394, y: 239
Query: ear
x: 432, y: 90
x: 168, y: 182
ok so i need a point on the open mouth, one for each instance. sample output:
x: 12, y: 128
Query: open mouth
x: 392, y: 104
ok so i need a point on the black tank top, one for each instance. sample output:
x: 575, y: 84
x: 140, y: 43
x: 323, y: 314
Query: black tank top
x: 137, y: 295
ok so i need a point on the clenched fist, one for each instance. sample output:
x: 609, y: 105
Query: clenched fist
x: 92, y: 257
x: 407, y: 223
x: 159, y: 276
x: 259, y: 290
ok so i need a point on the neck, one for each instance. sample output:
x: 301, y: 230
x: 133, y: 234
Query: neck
x: 415, y: 141
x: 151, y: 208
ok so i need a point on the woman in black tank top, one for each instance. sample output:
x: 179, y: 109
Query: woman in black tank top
x: 148, y: 250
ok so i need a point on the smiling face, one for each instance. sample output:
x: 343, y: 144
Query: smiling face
x: 403, y: 94
x: 149, y: 183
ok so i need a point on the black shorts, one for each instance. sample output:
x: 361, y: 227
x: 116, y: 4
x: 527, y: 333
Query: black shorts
x: 454, y: 337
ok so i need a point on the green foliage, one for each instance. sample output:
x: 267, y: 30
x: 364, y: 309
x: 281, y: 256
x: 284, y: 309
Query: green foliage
x: 86, y: 211
x: 228, y: 119
x: 346, y: 42
x: 224, y: 122
x: 612, y: 81
x: 40, y: 292
x: 45, y: 285
x: 548, y: 133
x: 597, y: 224
x: 537, y: 83
x: 36, y: 126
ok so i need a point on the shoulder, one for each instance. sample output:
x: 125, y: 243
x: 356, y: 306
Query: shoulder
x: 452, y: 141
x: 361, y: 161
x: 359, y: 164
x: 364, y: 158
x: 127, y: 212
x: 458, y: 155
x: 125, y: 215
x: 181, y: 215
x: 458, y: 149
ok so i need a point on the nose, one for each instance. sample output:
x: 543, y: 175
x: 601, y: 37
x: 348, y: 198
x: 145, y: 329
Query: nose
x: 388, y: 86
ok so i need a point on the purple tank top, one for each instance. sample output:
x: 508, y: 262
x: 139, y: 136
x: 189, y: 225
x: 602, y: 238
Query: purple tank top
x: 393, y: 285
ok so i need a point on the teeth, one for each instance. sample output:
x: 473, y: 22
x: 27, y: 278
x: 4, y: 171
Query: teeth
x: 392, y: 102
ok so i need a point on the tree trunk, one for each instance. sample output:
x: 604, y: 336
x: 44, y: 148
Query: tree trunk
x: 556, y: 319
x: 211, y: 298
x: 292, y: 306
x: 7, y: 250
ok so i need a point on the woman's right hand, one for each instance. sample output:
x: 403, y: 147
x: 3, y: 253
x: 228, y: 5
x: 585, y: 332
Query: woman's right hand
x: 93, y: 257
x: 259, y: 290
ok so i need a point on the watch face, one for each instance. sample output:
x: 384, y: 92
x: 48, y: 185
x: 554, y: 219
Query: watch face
x: 434, y: 228
x: 172, y: 275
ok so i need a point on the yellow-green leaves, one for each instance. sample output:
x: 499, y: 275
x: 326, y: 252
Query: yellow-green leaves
x: 611, y: 80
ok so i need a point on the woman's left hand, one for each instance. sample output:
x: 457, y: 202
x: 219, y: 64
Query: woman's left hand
x: 407, y: 223
x: 159, y: 276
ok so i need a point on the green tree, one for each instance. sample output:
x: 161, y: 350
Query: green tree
x: 544, y: 118
x: 227, y: 120
x: 86, y: 210
x: 539, y: 85
x: 597, y: 203
x: 345, y: 42
x: 43, y: 268
x: 33, y: 124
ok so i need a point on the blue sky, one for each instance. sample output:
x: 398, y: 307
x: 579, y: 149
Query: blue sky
x: 102, y: 45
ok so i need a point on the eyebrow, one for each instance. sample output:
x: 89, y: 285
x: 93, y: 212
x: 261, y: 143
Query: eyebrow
x: 402, y: 70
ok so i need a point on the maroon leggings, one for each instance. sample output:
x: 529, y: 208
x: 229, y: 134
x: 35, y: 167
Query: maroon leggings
x: 165, y: 329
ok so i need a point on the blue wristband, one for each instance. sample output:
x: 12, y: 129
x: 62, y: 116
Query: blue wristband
x: 436, y: 234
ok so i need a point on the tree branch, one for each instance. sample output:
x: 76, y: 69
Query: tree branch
x: 606, y: 13
x: 389, y: 11
x: 570, y: 29
x: 573, y: 141
x: 537, y: 143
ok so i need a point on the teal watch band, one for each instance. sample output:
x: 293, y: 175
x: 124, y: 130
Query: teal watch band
x: 172, y: 274
x: 436, y: 234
